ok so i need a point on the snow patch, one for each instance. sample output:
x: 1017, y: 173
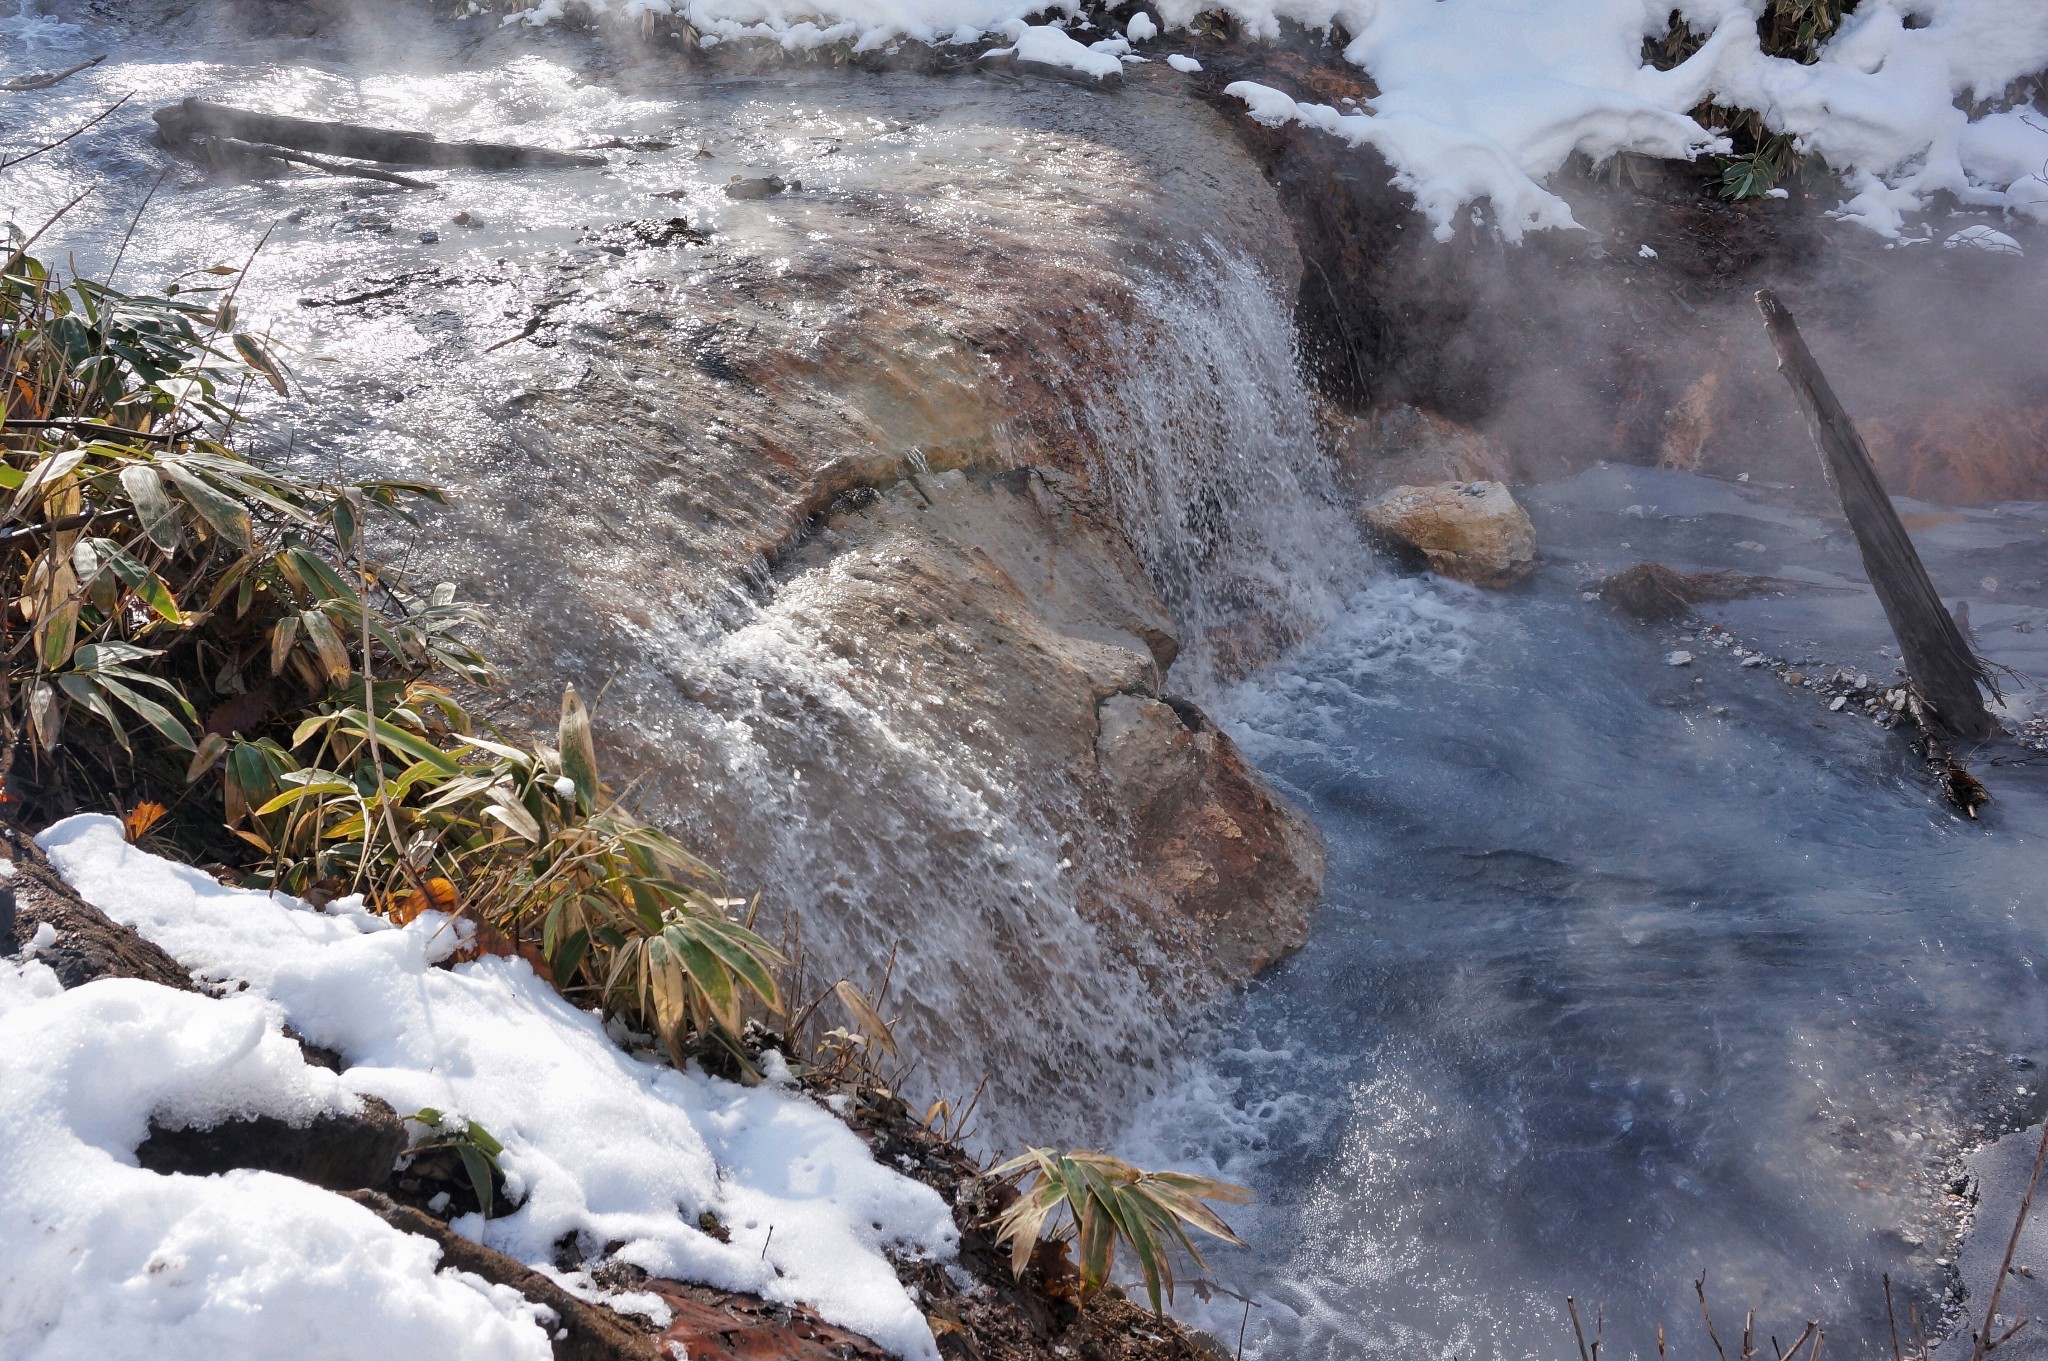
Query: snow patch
x: 597, y: 1143
x: 1183, y: 63
x: 1051, y: 46
x: 102, y: 1258
x: 1485, y: 99
x: 1981, y: 237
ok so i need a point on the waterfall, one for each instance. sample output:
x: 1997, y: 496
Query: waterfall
x: 868, y: 821
x: 1205, y: 439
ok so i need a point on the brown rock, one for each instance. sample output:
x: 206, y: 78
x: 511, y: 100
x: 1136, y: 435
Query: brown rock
x: 339, y: 1152
x: 709, y: 1324
x: 1396, y: 445
x: 1473, y: 531
x: 585, y: 1332
x: 89, y: 944
x: 1652, y: 591
x: 1221, y: 855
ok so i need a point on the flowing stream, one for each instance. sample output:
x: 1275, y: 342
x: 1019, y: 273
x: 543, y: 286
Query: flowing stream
x: 1627, y: 972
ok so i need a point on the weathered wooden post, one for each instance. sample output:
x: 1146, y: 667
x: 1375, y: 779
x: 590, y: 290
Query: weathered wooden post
x: 1938, y: 660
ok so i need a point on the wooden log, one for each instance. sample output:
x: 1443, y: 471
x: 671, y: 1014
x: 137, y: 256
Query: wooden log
x: 227, y: 153
x: 193, y: 120
x: 1938, y: 660
x: 43, y: 80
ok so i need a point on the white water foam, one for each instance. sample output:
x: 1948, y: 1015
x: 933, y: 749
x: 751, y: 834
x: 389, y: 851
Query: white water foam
x: 1206, y: 443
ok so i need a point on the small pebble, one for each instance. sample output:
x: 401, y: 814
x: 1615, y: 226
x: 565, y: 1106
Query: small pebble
x: 1836, y: 706
x: 1752, y: 660
x: 1678, y: 658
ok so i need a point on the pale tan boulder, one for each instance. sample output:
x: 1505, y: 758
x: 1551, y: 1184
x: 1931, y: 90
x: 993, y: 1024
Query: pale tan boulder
x: 1473, y: 531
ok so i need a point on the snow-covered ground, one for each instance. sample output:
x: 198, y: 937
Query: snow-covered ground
x: 1482, y: 100
x: 99, y: 1257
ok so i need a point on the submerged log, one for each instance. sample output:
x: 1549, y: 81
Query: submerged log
x: 251, y: 158
x: 193, y: 120
x: 1944, y: 670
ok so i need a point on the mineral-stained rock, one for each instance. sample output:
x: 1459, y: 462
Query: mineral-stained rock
x: 1473, y: 531
x: 1222, y: 857
x: 1395, y: 444
x: 339, y: 1152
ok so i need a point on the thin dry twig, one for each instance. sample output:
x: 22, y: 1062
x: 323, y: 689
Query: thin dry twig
x: 1982, y: 1337
x: 1700, y: 1288
x: 102, y: 116
x: 1572, y: 1306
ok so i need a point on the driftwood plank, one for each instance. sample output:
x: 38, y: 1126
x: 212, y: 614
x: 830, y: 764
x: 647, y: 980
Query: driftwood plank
x: 1938, y: 659
x: 193, y: 120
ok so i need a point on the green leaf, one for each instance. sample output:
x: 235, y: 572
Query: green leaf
x: 579, y: 751
x: 57, y: 631
x: 82, y: 690
x: 149, y: 588
x: 153, y: 508
x: 228, y: 518
x: 152, y: 713
x: 481, y: 1137
x: 311, y: 789
x: 479, y: 1169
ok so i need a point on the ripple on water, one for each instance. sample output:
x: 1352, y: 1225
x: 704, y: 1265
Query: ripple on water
x: 1607, y: 992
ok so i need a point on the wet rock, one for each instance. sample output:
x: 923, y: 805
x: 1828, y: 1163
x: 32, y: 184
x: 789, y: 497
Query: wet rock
x: 764, y: 186
x: 1473, y: 531
x: 1652, y: 591
x: 1208, y: 831
x: 339, y: 1152
x: 87, y: 943
x: 1396, y: 444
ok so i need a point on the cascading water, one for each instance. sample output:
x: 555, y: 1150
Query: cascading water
x: 1204, y: 436
x: 1201, y: 426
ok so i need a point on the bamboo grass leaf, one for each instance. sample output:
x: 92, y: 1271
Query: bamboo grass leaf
x: 153, y: 508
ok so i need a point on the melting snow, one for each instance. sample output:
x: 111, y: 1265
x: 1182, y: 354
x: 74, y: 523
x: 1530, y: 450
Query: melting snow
x: 1484, y: 99
x: 95, y: 1251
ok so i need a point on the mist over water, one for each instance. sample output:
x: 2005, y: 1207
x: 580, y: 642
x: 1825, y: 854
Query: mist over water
x: 1620, y: 979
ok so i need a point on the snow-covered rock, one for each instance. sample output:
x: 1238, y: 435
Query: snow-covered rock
x: 598, y: 1144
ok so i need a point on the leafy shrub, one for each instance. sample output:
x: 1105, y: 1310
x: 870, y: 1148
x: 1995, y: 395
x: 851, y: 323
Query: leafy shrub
x: 158, y: 582
x: 1794, y: 29
x: 405, y: 794
x: 186, y: 625
x: 1107, y: 1202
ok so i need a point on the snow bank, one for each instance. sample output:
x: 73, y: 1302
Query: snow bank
x: 1050, y: 46
x: 99, y: 1258
x: 1482, y: 100
x: 597, y: 1143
